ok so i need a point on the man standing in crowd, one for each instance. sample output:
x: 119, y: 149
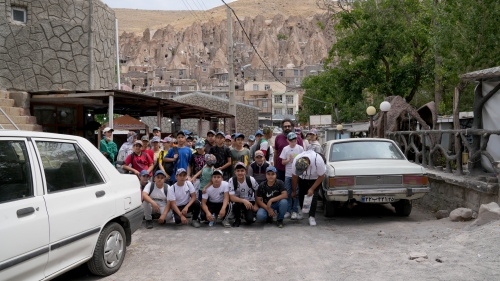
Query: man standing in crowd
x: 255, y: 146
x: 271, y: 198
x: 242, y: 189
x: 308, y: 172
x: 216, y: 200
x: 181, y: 159
x: 280, y: 142
x: 258, y: 168
x: 210, y: 141
x: 155, y: 200
x: 286, y: 158
x: 182, y: 199
x: 223, y: 155
x: 108, y: 146
x: 139, y: 160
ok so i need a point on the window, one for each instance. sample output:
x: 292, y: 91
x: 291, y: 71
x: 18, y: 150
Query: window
x: 250, y: 103
x: 177, y: 89
x: 289, y: 99
x: 278, y: 99
x: 15, y: 172
x: 255, y: 87
x: 204, y: 69
x: 278, y: 111
x: 280, y: 73
x: 264, y: 104
x: 295, y: 72
x: 289, y: 111
x: 267, y: 87
x: 181, y: 72
x: 191, y: 88
x: 90, y: 172
x: 297, y: 81
x: 19, y: 14
x: 302, y: 73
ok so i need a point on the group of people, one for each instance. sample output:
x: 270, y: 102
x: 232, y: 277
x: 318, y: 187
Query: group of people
x: 220, y: 179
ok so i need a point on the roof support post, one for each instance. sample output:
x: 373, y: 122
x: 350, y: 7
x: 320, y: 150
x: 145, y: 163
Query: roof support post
x: 158, y: 116
x: 110, y: 109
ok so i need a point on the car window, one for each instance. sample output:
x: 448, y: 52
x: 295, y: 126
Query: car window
x: 15, y: 172
x: 89, y: 170
x: 61, y: 166
x: 358, y: 150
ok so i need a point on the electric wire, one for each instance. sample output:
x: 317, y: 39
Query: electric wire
x: 191, y: 10
x: 196, y: 2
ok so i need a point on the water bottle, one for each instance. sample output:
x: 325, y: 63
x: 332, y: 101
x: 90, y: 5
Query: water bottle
x: 212, y: 222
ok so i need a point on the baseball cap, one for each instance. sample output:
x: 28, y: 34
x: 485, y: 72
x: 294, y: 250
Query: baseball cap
x: 240, y: 165
x: 251, y: 138
x: 184, y: 132
x: 107, y: 129
x: 267, y: 130
x: 210, y: 159
x: 220, y: 133
x: 167, y: 139
x: 291, y: 136
x: 189, y: 137
x: 239, y: 135
x: 180, y: 171
x: 228, y: 137
x: 138, y: 142
x: 199, y: 144
x: 144, y: 173
x: 217, y: 172
x: 259, y: 153
x: 259, y: 132
x: 301, y: 165
x: 156, y: 129
x: 313, y: 131
x: 271, y: 169
x: 211, y: 132
x: 298, y: 130
x: 156, y: 139
x: 160, y: 172
x: 145, y: 138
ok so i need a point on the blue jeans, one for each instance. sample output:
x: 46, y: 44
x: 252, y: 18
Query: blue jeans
x: 280, y: 174
x: 293, y: 203
x: 278, y: 207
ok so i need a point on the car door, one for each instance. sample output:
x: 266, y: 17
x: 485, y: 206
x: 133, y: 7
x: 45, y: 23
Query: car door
x: 78, y: 200
x: 24, y: 223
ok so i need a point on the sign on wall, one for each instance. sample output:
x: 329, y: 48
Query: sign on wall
x: 320, y: 120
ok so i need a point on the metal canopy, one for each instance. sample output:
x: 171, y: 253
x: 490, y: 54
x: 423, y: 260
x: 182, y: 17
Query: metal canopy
x: 130, y: 103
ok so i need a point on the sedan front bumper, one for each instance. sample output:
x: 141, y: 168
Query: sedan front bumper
x: 409, y: 193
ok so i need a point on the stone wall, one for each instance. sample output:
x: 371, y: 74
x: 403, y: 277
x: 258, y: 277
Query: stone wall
x: 247, y: 117
x: 64, y: 44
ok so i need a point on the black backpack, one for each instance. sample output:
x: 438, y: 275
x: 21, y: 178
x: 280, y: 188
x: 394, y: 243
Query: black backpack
x: 169, y: 166
x: 153, y: 187
x: 248, y: 180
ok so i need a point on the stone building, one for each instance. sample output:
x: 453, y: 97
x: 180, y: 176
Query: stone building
x: 56, y: 44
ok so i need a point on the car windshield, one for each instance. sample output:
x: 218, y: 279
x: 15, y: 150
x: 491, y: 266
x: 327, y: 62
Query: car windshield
x: 359, y: 150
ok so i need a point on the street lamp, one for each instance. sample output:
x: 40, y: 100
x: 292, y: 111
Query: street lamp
x: 339, y: 129
x: 384, y: 107
x: 371, y: 111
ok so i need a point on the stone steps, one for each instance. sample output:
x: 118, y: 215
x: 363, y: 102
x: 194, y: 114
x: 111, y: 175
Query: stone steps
x: 24, y: 127
x: 7, y: 102
x: 18, y: 120
x: 19, y: 115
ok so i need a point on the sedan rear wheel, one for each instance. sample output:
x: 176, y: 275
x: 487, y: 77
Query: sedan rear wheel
x: 109, y: 252
x: 403, y: 207
x: 329, y: 208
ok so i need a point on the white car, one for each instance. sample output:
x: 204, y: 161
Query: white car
x: 62, y: 204
x: 370, y: 170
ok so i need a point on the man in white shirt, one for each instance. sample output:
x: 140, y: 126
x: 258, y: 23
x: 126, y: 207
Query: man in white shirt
x: 242, y: 190
x: 182, y: 199
x: 308, y: 171
x: 155, y: 199
x: 216, y: 200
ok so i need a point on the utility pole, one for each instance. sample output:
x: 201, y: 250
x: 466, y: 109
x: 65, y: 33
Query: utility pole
x: 232, y: 102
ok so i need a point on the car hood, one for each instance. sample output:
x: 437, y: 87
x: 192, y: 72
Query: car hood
x: 374, y: 167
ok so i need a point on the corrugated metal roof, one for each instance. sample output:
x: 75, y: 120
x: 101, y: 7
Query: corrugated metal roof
x: 482, y: 74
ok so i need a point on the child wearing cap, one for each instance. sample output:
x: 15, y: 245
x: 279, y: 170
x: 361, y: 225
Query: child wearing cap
x: 239, y: 153
x: 145, y: 146
x: 155, y: 200
x: 138, y: 160
x: 228, y: 141
x: 197, y: 163
x: 314, y: 144
x: 182, y: 199
x: 216, y: 200
x: 271, y: 198
x: 289, y: 153
x: 205, y: 174
x: 210, y: 141
x: 258, y: 168
x: 182, y: 157
x: 242, y: 189
x: 127, y: 147
x: 108, y: 146
x: 256, y: 145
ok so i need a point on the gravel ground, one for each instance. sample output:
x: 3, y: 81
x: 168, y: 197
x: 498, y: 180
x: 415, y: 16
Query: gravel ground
x: 368, y: 242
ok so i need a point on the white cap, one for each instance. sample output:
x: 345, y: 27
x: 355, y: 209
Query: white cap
x: 107, y: 129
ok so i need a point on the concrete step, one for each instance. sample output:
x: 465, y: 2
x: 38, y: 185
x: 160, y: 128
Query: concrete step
x: 24, y: 127
x: 4, y: 95
x: 7, y: 102
x: 13, y: 111
x: 18, y: 119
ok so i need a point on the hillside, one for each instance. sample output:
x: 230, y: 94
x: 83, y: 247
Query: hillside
x: 136, y: 21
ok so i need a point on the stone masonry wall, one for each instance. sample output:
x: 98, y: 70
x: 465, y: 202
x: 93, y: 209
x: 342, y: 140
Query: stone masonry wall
x: 53, y: 49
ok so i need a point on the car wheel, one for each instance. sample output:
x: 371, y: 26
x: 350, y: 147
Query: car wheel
x: 109, y: 252
x: 403, y: 207
x: 329, y: 208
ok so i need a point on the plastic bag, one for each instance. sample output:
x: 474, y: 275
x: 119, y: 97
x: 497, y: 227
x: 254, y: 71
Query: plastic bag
x: 307, y: 204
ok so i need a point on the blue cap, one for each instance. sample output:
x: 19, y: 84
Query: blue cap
x: 184, y: 132
x: 291, y: 136
x: 160, y: 172
x: 144, y: 173
x: 211, y: 132
x: 239, y: 135
x: 221, y: 133
x: 180, y: 170
x: 259, y: 132
x: 156, y: 129
x: 251, y: 138
x: 199, y: 144
x: 271, y: 169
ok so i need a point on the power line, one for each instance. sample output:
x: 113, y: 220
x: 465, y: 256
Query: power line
x: 191, y: 10
x: 255, y: 49
x: 195, y: 2
x: 206, y: 9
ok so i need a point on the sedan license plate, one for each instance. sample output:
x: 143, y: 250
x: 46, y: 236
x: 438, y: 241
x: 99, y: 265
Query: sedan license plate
x: 377, y: 199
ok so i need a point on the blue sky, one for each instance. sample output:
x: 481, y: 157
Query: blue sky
x: 165, y: 4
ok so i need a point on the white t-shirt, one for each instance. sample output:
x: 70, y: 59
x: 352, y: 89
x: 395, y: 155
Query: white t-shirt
x: 180, y: 194
x: 243, y: 191
x: 316, y: 168
x: 286, y: 152
x: 216, y: 195
x: 158, y: 195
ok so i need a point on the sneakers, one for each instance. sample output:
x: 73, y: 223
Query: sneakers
x: 230, y: 216
x: 299, y: 216
x: 312, y: 221
x: 279, y: 223
x: 275, y: 218
x: 294, y: 216
x: 149, y: 224
x: 269, y: 220
x: 236, y: 223
x: 287, y: 215
x: 226, y: 223
x: 195, y: 223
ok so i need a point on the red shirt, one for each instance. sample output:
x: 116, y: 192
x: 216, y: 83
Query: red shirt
x: 141, y: 162
x: 150, y: 153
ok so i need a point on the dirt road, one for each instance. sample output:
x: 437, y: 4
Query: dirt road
x: 368, y: 242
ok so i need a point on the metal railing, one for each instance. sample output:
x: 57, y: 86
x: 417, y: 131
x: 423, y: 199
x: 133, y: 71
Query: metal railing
x: 427, y: 149
x: 8, y: 118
